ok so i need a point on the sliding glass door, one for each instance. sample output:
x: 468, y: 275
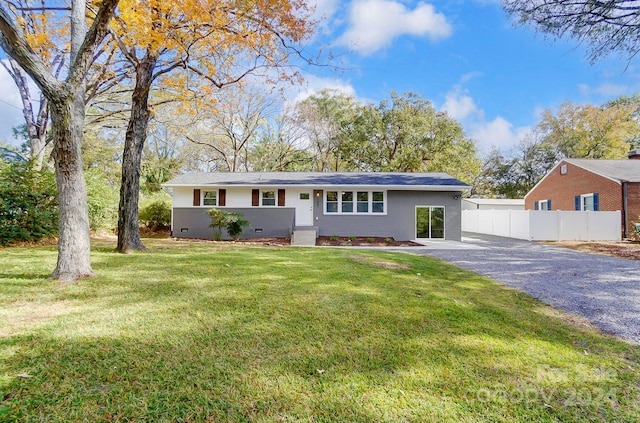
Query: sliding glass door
x: 429, y: 222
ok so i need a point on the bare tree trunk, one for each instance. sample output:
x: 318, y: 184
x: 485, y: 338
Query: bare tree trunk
x: 36, y: 126
x: 67, y: 119
x: 74, y: 256
x: 128, y: 229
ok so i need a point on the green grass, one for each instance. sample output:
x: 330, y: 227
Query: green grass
x: 197, y: 332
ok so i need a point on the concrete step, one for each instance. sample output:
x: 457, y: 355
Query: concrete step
x: 303, y: 237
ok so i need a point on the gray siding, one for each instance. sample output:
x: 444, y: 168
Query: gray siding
x: 191, y: 222
x: 399, y: 222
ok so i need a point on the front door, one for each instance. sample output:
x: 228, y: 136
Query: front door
x: 304, y: 208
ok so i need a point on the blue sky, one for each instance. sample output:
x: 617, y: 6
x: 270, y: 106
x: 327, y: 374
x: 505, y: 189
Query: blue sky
x: 468, y: 59
x: 465, y: 56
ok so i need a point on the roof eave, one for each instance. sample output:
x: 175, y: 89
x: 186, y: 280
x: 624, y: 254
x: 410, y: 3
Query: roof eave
x: 387, y: 187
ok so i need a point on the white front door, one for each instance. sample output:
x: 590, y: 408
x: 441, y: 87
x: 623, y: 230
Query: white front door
x: 304, y: 208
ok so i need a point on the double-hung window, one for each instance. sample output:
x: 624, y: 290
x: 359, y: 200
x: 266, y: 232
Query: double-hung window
x: 587, y: 202
x: 210, y: 198
x: 268, y: 198
x: 354, y: 202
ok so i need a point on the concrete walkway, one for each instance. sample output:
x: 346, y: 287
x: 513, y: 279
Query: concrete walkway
x: 605, y: 290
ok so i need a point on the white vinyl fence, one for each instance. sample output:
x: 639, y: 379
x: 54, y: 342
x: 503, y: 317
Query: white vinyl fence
x: 545, y: 225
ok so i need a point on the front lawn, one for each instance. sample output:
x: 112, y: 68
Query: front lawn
x: 198, y: 332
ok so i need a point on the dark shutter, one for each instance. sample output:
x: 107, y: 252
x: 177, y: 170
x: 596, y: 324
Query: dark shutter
x: 222, y: 197
x: 255, y: 197
x: 596, y: 201
x: 549, y: 204
x: 196, y: 197
x: 578, y: 203
x: 536, y: 206
x: 280, y: 198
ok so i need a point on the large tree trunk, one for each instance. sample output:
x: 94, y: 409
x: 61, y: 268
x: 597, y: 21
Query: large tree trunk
x: 74, y: 252
x: 128, y: 229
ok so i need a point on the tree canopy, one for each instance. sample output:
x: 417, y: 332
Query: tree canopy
x: 579, y: 131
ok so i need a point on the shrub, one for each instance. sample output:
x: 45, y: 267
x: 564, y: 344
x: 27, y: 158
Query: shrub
x: 102, y: 201
x: 28, y: 203
x: 233, y: 222
x: 218, y: 218
x: 155, y: 212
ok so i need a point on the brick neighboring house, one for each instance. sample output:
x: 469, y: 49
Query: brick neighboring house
x: 597, y: 185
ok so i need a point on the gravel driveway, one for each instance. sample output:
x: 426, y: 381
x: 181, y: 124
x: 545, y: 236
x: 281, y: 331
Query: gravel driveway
x: 605, y: 290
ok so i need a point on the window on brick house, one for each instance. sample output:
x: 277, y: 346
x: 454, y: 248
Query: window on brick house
x: 587, y: 202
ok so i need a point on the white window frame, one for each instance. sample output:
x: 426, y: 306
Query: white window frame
x: 545, y: 207
x: 584, y: 197
x: 355, y: 212
x: 275, y: 198
x: 203, y: 195
x: 444, y: 217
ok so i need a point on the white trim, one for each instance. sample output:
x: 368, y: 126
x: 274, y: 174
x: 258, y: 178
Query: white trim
x: 583, y: 196
x: 261, y: 198
x: 202, y: 197
x: 444, y: 223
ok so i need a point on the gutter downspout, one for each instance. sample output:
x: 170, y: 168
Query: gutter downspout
x: 625, y: 216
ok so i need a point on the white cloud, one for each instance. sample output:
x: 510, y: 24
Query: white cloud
x: 324, y: 9
x: 458, y: 104
x: 605, y: 89
x: 315, y: 84
x: 10, y: 107
x: 498, y: 132
x: 375, y: 24
x: 469, y: 76
x: 323, y: 13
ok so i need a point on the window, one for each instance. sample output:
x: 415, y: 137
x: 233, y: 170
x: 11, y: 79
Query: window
x: 268, y: 198
x: 347, y: 202
x: 304, y: 195
x: 563, y: 170
x: 545, y: 205
x: 363, y: 202
x: 587, y: 202
x: 378, y: 202
x: 332, y: 201
x: 210, y: 198
x: 358, y: 202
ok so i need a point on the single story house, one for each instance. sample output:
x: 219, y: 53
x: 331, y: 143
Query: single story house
x: 304, y: 205
x: 592, y: 185
x: 492, y: 204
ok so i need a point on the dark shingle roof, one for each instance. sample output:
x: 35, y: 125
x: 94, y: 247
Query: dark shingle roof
x: 620, y: 170
x: 310, y: 179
